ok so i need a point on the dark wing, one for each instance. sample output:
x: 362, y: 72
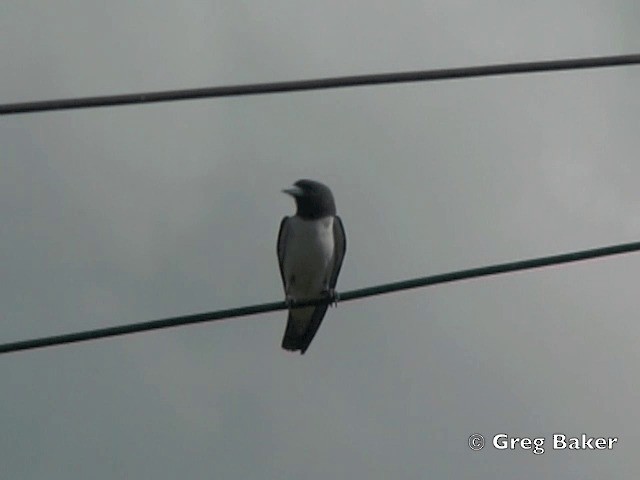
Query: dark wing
x: 339, y: 249
x: 291, y: 339
x: 282, y: 241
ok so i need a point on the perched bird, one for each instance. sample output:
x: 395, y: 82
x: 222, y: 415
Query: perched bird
x: 311, y: 247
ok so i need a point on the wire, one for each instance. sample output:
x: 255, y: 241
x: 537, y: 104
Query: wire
x: 322, y: 83
x: 346, y: 296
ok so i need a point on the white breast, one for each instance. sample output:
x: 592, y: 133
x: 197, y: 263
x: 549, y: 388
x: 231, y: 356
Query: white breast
x: 309, y: 255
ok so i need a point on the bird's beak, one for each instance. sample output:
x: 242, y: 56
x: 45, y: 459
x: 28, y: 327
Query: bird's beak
x: 294, y: 191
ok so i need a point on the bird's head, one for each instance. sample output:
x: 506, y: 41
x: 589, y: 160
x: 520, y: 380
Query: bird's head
x: 313, y: 199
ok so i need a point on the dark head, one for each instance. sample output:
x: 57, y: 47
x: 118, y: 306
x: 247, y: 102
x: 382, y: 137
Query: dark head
x: 313, y: 199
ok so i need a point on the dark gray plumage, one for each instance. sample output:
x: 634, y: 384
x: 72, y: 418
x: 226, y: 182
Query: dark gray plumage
x: 311, y: 248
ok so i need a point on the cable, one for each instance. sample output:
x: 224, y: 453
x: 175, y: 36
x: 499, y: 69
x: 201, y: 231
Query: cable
x: 346, y: 296
x: 322, y: 83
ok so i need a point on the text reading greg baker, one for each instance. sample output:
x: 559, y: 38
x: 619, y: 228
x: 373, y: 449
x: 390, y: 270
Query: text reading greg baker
x: 559, y: 441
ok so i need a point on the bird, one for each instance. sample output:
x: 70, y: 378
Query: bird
x: 311, y: 248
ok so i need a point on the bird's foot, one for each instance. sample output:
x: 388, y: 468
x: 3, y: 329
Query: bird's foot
x: 332, y: 295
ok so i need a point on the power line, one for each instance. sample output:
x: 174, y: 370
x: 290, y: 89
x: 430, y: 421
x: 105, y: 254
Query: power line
x: 346, y: 296
x: 321, y: 83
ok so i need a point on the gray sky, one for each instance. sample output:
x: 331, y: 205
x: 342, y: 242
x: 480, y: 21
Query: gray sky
x: 120, y: 215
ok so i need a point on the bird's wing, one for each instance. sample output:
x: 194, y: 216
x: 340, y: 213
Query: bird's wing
x: 282, y: 242
x: 339, y: 249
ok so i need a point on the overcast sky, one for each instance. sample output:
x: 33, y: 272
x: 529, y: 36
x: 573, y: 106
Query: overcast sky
x: 119, y: 215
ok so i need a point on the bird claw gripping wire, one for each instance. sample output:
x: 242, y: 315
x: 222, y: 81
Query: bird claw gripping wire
x: 332, y: 295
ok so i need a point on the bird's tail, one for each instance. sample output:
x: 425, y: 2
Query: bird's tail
x: 294, y: 333
x: 302, y: 325
x: 290, y: 340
